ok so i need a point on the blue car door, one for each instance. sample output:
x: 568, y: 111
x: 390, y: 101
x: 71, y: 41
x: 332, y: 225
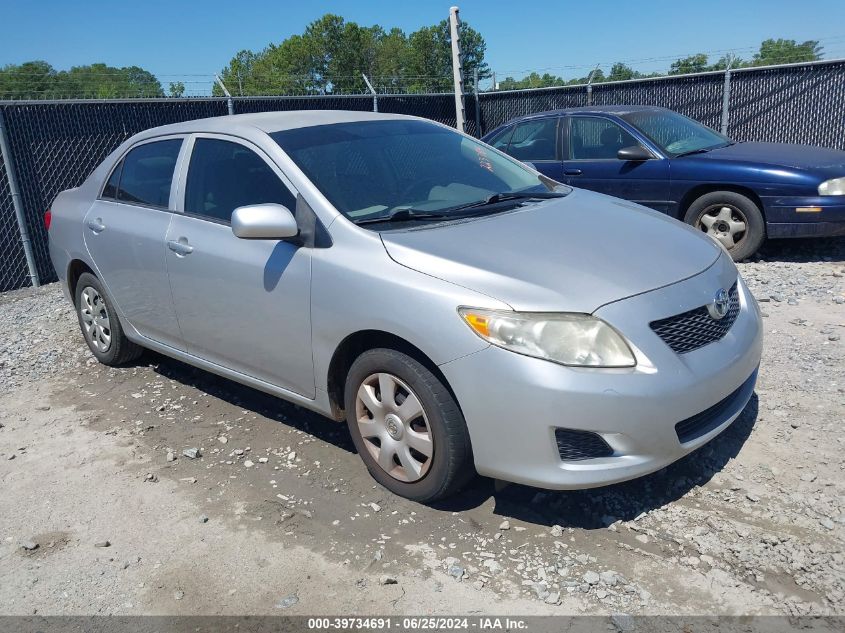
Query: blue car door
x: 537, y: 143
x: 590, y: 146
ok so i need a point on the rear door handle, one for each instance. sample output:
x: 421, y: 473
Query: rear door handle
x: 572, y: 172
x: 96, y: 225
x: 180, y: 247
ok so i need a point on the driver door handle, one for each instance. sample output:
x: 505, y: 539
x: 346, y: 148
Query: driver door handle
x: 572, y: 172
x: 179, y: 247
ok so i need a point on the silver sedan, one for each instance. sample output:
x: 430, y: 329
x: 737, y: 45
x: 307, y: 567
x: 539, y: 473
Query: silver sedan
x: 462, y: 312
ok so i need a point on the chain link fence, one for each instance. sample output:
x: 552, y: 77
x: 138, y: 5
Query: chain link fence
x: 55, y: 145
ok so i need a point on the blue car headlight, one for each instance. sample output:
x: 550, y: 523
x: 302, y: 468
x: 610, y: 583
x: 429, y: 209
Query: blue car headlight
x: 833, y: 187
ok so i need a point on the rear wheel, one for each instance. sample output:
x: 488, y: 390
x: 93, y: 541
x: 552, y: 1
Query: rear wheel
x: 406, y: 426
x: 730, y: 218
x: 100, y: 324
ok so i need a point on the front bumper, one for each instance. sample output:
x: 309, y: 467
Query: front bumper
x: 513, y: 403
x: 807, y: 216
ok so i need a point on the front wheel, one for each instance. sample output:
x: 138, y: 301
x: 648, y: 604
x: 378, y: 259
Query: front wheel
x: 406, y: 426
x: 730, y: 218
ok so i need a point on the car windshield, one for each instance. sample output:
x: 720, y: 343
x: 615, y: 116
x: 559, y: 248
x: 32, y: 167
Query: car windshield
x: 674, y: 133
x: 406, y: 169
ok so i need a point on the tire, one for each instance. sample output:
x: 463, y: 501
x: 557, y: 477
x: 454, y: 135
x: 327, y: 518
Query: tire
x: 725, y: 211
x: 416, y: 476
x: 100, y: 325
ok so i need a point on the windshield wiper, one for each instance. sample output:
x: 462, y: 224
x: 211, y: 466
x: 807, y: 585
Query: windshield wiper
x: 504, y: 196
x: 402, y: 215
x: 410, y: 214
x: 701, y: 150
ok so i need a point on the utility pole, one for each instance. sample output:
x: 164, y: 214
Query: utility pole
x: 457, y: 68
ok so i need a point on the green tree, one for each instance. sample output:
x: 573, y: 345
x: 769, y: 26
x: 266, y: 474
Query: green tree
x: 782, y: 51
x: 331, y: 54
x: 176, y: 89
x: 30, y: 80
x: 692, y: 64
x: 622, y: 72
x: 39, y: 80
x: 533, y: 80
x: 730, y: 60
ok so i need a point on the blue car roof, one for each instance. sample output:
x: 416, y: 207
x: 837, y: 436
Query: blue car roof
x: 618, y: 110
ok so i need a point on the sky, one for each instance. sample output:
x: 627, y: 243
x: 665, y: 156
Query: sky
x: 177, y: 40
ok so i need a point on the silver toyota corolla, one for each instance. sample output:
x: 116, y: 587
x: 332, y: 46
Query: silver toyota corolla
x: 460, y: 311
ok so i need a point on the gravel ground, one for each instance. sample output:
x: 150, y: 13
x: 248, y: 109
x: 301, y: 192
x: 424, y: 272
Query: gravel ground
x: 104, y: 511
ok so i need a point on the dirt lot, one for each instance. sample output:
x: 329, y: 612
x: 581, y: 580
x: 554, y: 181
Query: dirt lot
x: 278, y: 515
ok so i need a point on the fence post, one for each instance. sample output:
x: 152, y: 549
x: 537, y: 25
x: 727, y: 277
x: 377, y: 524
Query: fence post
x: 230, y: 103
x: 590, y: 85
x: 477, y: 103
x: 457, y: 68
x: 726, y: 99
x: 375, y: 94
x: 17, y: 202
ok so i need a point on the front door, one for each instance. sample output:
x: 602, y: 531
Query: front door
x: 125, y: 233
x: 590, y: 162
x: 242, y: 304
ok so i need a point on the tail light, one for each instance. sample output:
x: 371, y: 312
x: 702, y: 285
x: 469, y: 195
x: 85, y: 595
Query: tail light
x: 48, y: 219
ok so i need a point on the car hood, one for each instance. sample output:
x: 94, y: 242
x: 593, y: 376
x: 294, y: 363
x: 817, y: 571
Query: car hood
x: 804, y: 157
x: 570, y: 254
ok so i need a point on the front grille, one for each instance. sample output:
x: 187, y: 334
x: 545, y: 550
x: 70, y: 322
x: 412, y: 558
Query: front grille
x: 577, y: 445
x: 704, y: 422
x: 690, y: 330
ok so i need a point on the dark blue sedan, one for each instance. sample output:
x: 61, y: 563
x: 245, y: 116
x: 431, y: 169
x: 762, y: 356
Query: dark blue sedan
x: 740, y: 193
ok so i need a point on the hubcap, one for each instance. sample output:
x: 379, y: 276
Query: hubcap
x: 394, y: 427
x: 725, y: 223
x: 95, y: 319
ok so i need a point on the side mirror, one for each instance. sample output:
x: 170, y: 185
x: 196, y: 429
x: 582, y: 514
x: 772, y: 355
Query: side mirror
x: 634, y: 152
x: 264, y: 222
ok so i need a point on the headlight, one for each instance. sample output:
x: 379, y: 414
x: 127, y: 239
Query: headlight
x: 833, y: 187
x: 569, y: 339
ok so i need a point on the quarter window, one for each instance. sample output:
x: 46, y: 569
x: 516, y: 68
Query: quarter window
x: 224, y: 176
x: 534, y: 140
x: 110, y: 190
x: 592, y: 138
x: 147, y: 173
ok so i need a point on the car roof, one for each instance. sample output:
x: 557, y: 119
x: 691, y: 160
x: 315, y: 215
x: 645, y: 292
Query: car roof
x: 618, y: 110
x: 599, y: 109
x: 268, y: 122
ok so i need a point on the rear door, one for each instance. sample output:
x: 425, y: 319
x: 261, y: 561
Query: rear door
x: 124, y: 232
x: 242, y: 304
x: 590, y: 162
x: 537, y: 143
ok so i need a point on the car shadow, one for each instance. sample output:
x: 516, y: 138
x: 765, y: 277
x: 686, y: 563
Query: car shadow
x: 802, y: 250
x: 594, y: 508
x: 253, y: 400
x: 597, y: 508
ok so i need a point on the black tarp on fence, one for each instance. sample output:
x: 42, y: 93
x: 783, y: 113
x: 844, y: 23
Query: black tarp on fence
x: 56, y: 144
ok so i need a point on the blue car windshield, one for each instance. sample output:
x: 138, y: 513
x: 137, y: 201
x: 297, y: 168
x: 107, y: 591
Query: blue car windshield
x: 372, y: 169
x: 674, y: 133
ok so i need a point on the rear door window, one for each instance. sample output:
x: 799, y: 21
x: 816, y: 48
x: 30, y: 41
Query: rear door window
x: 148, y: 173
x: 224, y: 176
x: 534, y: 140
